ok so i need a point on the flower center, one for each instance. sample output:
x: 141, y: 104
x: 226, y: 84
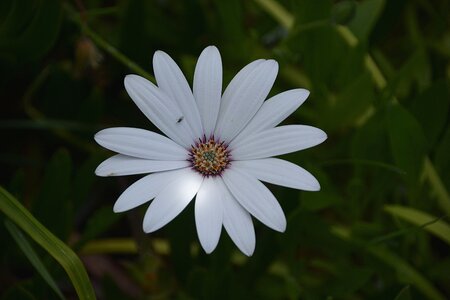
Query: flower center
x: 209, y: 157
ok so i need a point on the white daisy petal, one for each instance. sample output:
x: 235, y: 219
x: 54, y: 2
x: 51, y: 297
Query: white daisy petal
x: 244, y: 96
x: 277, y: 141
x: 237, y: 222
x: 279, y: 172
x: 145, y: 189
x: 274, y: 111
x: 172, y: 200
x: 140, y: 143
x: 255, y: 198
x: 120, y: 164
x: 218, y: 147
x: 172, y: 81
x: 159, y: 108
x: 208, y: 87
x: 209, y: 213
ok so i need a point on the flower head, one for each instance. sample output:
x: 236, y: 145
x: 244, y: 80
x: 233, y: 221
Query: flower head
x: 218, y: 148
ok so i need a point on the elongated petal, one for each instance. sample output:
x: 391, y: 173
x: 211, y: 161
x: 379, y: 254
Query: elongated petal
x: 145, y: 189
x: 140, y: 143
x: 277, y: 141
x: 120, y: 164
x: 160, y: 109
x: 172, y: 81
x: 255, y: 198
x: 237, y: 222
x: 244, y: 96
x: 172, y: 200
x: 279, y: 172
x: 208, y: 87
x: 274, y: 111
x: 209, y: 213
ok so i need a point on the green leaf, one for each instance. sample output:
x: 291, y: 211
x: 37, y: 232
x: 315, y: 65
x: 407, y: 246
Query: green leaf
x: 55, y: 195
x: 98, y: 223
x: 307, y: 11
x: 405, y: 271
x: 431, y: 108
x: 32, y: 256
x: 414, y: 73
x: 366, y: 16
x: 351, y: 102
x: 439, y: 190
x: 18, y: 291
x: 318, y: 201
x: 278, y: 12
x: 436, y: 227
x: 344, y: 11
x: 407, y: 141
x: 370, y: 142
x: 30, y: 29
x: 54, y: 246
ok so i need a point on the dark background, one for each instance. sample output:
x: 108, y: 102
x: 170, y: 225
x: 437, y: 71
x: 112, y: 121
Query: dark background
x: 378, y: 72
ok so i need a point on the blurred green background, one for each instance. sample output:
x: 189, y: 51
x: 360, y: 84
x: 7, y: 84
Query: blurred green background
x: 378, y: 72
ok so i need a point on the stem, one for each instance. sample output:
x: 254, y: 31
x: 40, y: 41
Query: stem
x: 103, y: 44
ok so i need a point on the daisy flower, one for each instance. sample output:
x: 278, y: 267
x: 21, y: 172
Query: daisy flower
x: 217, y: 148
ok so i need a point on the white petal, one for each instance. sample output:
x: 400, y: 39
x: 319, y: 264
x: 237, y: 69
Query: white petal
x: 172, y: 81
x: 274, y: 111
x: 145, y: 189
x: 279, y: 172
x: 277, y: 141
x: 120, y: 164
x: 255, y: 198
x: 160, y: 109
x: 238, y: 222
x: 172, y: 200
x: 208, y: 87
x: 244, y: 96
x: 140, y: 143
x: 209, y: 213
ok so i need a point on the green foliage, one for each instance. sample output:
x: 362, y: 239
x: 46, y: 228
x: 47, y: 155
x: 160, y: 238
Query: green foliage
x: 378, y: 73
x: 407, y: 141
x: 28, y: 250
x: 28, y: 29
x: 55, y: 247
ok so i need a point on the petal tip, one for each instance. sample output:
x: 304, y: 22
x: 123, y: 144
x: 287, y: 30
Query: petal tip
x: 208, y: 248
x: 248, y: 252
x: 305, y: 94
x: 280, y: 227
x: 212, y: 48
x: 147, y: 228
x: 98, y: 171
x: 97, y: 137
x: 315, y: 188
x: 314, y: 185
x: 273, y: 63
x: 159, y: 54
x: 117, y: 208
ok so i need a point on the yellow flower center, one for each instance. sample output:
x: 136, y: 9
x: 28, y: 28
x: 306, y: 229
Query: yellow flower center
x: 209, y: 157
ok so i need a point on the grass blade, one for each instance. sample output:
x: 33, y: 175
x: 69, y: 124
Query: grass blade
x: 404, y: 270
x: 438, y: 228
x: 32, y: 256
x: 15, y: 211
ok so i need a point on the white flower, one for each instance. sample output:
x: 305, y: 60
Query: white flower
x: 218, y: 148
